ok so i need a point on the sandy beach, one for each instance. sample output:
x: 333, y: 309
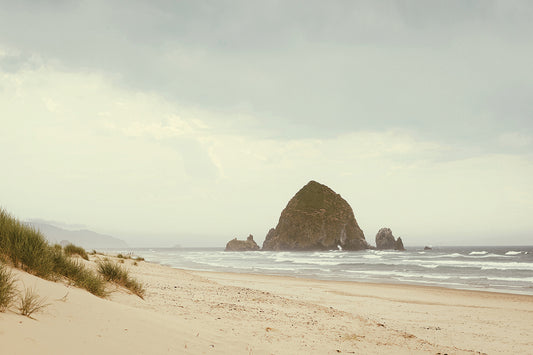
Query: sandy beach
x: 205, y: 312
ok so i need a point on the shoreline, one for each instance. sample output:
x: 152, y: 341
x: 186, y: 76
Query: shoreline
x: 235, y: 313
x: 348, y: 282
x: 369, y: 283
x: 481, y: 268
x: 391, y: 283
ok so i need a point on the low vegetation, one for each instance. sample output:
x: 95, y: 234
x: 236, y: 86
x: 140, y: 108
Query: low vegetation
x: 78, y: 274
x: 128, y: 257
x: 112, y: 271
x: 72, y: 249
x: 8, y: 291
x: 23, y: 247
x: 26, y: 248
x: 30, y: 302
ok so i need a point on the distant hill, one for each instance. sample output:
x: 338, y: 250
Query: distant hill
x: 83, y: 237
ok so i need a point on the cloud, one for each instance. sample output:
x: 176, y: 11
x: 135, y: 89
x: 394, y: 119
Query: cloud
x: 158, y: 116
x: 300, y: 69
x: 515, y: 140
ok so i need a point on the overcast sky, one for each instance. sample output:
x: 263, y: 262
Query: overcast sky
x: 193, y: 122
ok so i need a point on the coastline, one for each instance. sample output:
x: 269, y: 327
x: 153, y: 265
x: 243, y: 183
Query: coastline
x: 494, y: 269
x: 216, y: 312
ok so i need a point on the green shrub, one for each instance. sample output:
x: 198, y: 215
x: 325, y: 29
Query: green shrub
x: 8, y: 290
x: 72, y: 249
x: 112, y: 271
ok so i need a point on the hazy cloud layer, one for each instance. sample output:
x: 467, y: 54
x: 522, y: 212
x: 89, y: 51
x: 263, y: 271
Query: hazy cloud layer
x: 454, y: 70
x: 159, y: 116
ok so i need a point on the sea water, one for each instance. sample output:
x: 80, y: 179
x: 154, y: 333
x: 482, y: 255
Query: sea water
x: 503, y: 269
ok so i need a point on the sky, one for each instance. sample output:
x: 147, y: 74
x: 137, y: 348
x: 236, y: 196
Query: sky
x: 194, y: 122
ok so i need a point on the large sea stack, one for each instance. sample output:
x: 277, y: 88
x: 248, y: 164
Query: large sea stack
x: 316, y: 218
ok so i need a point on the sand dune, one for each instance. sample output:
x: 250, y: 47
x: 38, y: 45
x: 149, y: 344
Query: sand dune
x: 199, y: 312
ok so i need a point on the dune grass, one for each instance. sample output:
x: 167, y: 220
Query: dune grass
x: 30, y: 302
x: 27, y: 249
x: 72, y: 249
x: 24, y: 247
x: 8, y: 291
x: 78, y: 274
x: 112, y: 271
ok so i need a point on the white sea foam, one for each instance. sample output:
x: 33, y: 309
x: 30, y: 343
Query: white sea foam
x: 490, y: 255
x: 513, y: 252
x: 512, y: 279
x: 454, y: 255
x: 507, y: 266
x: 478, y: 252
x: 429, y: 266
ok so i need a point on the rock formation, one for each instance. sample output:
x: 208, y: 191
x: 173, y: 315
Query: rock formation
x: 316, y: 218
x: 385, y: 240
x: 242, y: 245
x: 399, y: 244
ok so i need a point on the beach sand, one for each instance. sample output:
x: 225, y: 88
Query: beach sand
x: 207, y: 312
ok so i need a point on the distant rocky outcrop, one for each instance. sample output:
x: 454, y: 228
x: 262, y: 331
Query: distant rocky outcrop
x: 242, y: 245
x: 385, y: 240
x: 316, y: 218
x: 399, y: 244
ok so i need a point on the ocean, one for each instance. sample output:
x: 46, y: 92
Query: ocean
x: 498, y: 269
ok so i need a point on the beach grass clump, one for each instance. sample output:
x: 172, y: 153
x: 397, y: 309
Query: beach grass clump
x: 8, y: 291
x: 26, y: 248
x: 113, y: 272
x: 30, y: 302
x: 72, y: 249
x: 80, y: 276
x: 122, y: 256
